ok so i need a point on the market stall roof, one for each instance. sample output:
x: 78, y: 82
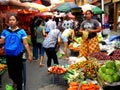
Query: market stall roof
x: 66, y: 6
x: 94, y: 8
x: 39, y: 7
x: 44, y: 14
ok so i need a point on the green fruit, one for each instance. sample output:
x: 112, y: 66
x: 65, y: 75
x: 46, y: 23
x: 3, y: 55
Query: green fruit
x: 118, y: 65
x: 116, y: 77
x: 110, y: 71
x: 108, y: 78
x: 110, y: 64
x: 103, y: 68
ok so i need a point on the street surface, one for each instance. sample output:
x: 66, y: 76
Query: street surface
x: 38, y: 78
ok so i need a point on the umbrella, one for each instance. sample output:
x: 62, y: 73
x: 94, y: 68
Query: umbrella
x: 66, y: 7
x: 95, y: 9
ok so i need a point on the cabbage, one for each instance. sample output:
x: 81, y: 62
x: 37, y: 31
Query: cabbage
x: 110, y: 71
x: 108, y: 78
x: 110, y: 64
x: 116, y: 77
x: 103, y: 68
x: 118, y: 65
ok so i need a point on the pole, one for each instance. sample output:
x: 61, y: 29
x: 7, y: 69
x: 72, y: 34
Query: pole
x: 102, y: 2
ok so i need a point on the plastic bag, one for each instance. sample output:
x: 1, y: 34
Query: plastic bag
x: 8, y: 87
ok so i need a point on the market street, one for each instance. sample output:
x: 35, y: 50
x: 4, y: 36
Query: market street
x: 38, y: 78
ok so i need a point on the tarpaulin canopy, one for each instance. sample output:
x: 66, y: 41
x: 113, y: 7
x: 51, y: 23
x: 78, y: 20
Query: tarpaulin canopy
x: 66, y: 6
x: 95, y: 9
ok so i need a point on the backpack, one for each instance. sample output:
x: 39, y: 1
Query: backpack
x: 13, y: 43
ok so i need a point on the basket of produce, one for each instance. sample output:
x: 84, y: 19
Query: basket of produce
x: 88, y: 67
x: 109, y: 73
x: 57, y: 69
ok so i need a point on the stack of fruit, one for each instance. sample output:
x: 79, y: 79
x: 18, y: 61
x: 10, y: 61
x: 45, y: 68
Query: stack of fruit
x: 57, y: 69
x: 89, y: 86
x: 88, y: 67
x: 109, y: 72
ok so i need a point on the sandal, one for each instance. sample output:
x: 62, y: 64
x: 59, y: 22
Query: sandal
x: 41, y: 65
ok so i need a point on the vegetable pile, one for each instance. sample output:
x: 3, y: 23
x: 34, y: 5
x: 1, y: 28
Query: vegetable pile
x: 57, y: 69
x: 89, y: 68
x: 89, y: 86
x: 115, y: 55
x: 109, y: 72
x: 100, y: 56
x: 73, y: 86
x: 73, y: 76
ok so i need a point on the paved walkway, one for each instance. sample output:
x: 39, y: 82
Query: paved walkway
x: 38, y: 78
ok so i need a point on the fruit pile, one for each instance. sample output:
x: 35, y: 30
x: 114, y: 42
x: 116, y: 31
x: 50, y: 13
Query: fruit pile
x: 73, y: 86
x: 115, y: 55
x: 57, y: 69
x: 89, y: 69
x: 89, y: 86
x: 109, y: 72
x: 100, y: 56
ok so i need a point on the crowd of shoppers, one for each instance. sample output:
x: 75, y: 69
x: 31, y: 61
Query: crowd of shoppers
x: 61, y: 30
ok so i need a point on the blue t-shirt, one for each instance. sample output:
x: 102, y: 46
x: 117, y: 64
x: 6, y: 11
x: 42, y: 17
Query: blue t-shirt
x: 22, y: 34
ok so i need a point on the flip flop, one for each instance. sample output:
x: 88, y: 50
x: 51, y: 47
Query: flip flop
x: 41, y: 65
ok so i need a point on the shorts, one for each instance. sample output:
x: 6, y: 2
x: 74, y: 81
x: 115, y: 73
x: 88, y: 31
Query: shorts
x: 64, y: 38
x: 41, y: 49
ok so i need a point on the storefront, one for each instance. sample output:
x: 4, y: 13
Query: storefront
x: 116, y: 9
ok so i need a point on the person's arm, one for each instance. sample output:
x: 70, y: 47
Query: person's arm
x: 27, y: 49
x: 2, y: 40
x: 73, y: 35
x: 43, y: 32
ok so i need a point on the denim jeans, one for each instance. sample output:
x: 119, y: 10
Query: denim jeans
x: 51, y: 54
x: 35, y: 52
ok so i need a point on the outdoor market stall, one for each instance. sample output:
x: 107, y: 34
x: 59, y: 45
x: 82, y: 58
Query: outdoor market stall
x: 99, y: 71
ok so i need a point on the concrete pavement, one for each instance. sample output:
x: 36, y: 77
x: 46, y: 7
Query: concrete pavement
x: 38, y: 78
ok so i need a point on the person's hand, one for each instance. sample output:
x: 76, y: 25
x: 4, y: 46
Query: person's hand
x: 30, y: 58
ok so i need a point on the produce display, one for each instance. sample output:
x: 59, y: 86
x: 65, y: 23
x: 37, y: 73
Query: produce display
x: 117, y: 44
x: 73, y: 76
x: 115, y: 55
x: 57, y: 69
x: 109, y: 72
x: 87, y: 67
x: 89, y: 86
x: 84, y: 85
x: 100, y: 56
x: 73, y: 86
x: 75, y: 45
